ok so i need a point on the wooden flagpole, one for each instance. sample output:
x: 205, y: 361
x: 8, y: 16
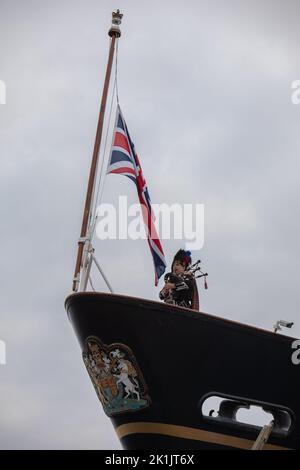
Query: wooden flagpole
x: 114, y: 33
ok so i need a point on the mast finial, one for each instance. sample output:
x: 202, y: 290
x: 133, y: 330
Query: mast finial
x: 116, y: 21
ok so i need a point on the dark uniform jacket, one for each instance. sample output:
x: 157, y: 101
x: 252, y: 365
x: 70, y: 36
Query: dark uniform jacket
x: 182, y: 294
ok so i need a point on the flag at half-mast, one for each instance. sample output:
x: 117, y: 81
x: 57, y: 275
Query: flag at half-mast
x: 124, y: 161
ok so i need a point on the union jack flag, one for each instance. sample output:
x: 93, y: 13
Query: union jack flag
x: 124, y: 161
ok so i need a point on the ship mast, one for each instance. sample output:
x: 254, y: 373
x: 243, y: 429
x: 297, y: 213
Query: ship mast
x: 84, y: 239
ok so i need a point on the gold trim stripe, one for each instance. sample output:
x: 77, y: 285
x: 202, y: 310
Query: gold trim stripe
x: 189, y: 433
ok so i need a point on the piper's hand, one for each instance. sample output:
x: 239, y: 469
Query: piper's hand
x: 169, y: 286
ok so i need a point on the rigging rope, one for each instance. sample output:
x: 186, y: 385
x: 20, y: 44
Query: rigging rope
x: 116, y: 72
x: 93, y: 216
x: 99, y: 192
x: 90, y: 279
x: 95, y: 203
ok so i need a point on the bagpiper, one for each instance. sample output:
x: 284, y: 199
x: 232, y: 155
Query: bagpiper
x: 180, y: 285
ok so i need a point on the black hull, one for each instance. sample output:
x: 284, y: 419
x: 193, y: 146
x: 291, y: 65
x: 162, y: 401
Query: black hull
x: 184, y: 356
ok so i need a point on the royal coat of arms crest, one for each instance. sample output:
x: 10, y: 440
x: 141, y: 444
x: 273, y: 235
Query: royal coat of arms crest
x: 116, y: 376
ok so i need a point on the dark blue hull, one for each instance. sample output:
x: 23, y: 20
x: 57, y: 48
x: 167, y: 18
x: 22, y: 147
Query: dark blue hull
x: 154, y: 365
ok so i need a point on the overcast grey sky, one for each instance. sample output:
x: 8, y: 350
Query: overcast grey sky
x: 205, y: 87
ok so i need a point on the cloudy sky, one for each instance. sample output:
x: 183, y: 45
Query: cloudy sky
x: 205, y: 87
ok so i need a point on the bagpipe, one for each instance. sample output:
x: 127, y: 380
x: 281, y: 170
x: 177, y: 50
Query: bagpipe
x: 193, y: 272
